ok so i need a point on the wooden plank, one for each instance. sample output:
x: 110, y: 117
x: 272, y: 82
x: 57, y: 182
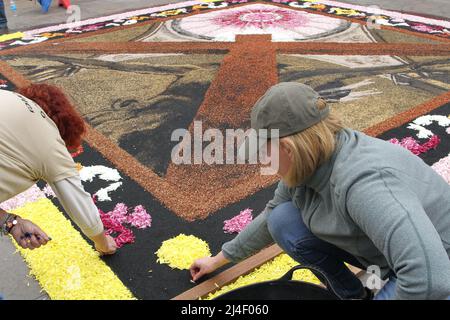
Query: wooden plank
x: 241, y: 269
x: 231, y: 274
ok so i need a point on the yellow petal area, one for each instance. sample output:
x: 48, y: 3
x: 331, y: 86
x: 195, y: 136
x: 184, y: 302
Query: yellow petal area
x: 68, y: 267
x: 180, y: 252
x: 272, y: 270
x: 11, y: 36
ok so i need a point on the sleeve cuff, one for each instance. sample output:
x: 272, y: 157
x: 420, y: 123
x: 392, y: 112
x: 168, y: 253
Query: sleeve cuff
x: 91, y: 232
x: 226, y: 253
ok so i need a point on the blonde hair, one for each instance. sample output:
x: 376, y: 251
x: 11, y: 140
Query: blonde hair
x: 312, y: 147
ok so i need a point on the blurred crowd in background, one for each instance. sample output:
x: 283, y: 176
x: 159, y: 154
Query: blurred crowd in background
x: 45, y: 6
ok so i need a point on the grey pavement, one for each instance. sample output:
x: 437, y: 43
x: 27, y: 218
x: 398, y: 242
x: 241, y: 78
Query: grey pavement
x: 14, y: 280
x: 29, y: 14
x: 15, y: 283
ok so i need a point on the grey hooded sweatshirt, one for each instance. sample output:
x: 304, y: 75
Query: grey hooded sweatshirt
x: 380, y: 203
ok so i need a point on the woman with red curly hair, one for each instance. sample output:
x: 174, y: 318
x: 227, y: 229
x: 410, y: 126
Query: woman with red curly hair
x: 38, y: 128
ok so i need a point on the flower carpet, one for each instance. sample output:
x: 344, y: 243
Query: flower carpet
x: 138, y: 76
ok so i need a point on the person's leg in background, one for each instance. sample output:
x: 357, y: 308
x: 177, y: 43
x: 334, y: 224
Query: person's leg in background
x: 45, y: 4
x: 290, y: 233
x: 64, y: 3
x: 3, y: 21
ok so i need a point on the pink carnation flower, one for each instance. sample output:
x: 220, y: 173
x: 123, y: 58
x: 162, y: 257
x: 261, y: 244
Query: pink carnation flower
x: 119, y: 214
x: 239, y: 222
x: 412, y: 145
x: 140, y: 218
x: 114, y: 221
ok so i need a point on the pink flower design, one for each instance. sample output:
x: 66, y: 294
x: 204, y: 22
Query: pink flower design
x: 412, y: 145
x: 283, y: 24
x: 261, y: 18
x: 140, y: 218
x: 114, y: 221
x: 442, y: 167
x: 31, y: 195
x: 119, y: 214
x: 113, y: 227
x: 427, y: 28
x: 239, y: 222
x: 92, y: 27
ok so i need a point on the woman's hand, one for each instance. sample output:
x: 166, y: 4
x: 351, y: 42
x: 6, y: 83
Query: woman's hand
x: 28, y: 235
x: 206, y: 265
x: 104, y: 244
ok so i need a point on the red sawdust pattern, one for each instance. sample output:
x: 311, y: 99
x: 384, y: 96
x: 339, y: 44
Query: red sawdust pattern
x: 12, y: 75
x: 194, y: 191
x: 246, y: 73
x: 136, y: 47
x: 393, y: 49
x: 408, y: 115
x: 330, y: 48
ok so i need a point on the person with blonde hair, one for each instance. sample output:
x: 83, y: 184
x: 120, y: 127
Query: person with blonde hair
x: 345, y: 197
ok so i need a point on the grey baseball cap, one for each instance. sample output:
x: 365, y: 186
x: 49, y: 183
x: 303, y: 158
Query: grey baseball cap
x: 289, y: 107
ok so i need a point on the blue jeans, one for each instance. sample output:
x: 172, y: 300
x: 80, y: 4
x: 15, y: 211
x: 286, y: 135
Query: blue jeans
x: 388, y: 291
x: 286, y: 226
x: 3, y: 21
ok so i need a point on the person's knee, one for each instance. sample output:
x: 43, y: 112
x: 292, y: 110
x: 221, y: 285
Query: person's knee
x: 288, y: 230
x: 278, y: 220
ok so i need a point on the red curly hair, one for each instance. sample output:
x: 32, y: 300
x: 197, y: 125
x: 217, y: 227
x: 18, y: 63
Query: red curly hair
x: 58, y: 107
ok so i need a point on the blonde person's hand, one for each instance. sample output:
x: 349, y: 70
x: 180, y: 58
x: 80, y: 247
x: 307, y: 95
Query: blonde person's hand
x: 204, y: 266
x: 201, y: 267
x: 104, y: 244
